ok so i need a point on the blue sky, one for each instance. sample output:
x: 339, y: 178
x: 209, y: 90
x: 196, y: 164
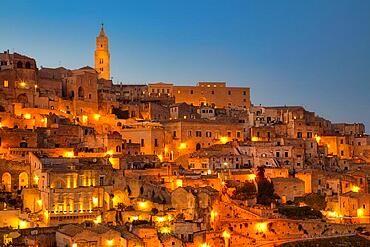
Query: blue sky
x: 310, y: 53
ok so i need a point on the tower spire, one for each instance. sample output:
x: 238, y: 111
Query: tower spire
x: 102, y: 33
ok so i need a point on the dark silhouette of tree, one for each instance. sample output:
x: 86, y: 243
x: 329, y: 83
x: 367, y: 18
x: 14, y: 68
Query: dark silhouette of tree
x: 265, y: 193
x: 245, y: 191
x: 260, y: 173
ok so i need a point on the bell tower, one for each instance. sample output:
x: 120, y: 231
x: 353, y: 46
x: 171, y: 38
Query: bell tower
x: 102, y: 56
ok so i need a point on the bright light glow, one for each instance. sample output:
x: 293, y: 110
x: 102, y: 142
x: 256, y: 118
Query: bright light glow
x: 161, y: 219
x: 317, y: 138
x: 182, y: 145
x: 204, y: 245
x: 213, y: 215
x: 224, y: 139
x: 95, y: 201
x: 178, y: 183
x: 98, y: 219
x: 255, y: 139
x: 165, y: 149
x: 110, y: 152
x: 251, y: 177
x: 36, y: 179
x: 22, y: 224
x: 355, y: 188
x: 27, y: 116
x: 97, y: 117
x: 143, y: 205
x: 160, y: 157
x: 39, y: 202
x: 165, y: 230
x: 110, y: 242
x: 22, y: 84
x: 74, y: 245
x: 360, y: 212
x: 331, y: 214
x: 209, y: 172
x: 46, y: 215
x: 84, y: 119
x: 261, y: 227
x: 134, y: 218
x: 69, y: 154
x: 226, y: 234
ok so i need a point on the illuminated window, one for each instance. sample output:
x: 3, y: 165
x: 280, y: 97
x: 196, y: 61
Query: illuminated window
x: 6, y: 83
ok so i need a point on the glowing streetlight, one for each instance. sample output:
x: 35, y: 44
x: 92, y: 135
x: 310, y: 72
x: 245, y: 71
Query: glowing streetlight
x: 226, y: 235
x: 360, y: 212
x: 182, y: 146
x: 224, y: 139
x: 95, y: 201
x: 355, y: 188
x: 261, y: 227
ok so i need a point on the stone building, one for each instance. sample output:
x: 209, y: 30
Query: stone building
x: 18, y: 80
x: 288, y: 188
x: 88, y: 235
x: 74, y: 189
x: 214, y: 94
x: 184, y: 136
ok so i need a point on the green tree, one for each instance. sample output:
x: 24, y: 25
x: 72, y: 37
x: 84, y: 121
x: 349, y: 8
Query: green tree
x: 314, y: 201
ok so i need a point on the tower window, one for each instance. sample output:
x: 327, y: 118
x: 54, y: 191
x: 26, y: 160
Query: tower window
x: 101, y: 46
x: 101, y: 61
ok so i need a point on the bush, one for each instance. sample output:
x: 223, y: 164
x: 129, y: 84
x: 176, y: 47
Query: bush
x: 300, y: 212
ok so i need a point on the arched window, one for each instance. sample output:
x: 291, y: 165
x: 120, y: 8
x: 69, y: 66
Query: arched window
x: 80, y: 92
x: 28, y: 65
x: 23, y: 144
x: 198, y: 147
x: 19, y: 64
x: 6, y: 182
x: 118, y: 149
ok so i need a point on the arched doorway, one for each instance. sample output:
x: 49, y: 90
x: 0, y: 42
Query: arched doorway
x: 22, y: 98
x: 23, y: 180
x: 202, y: 101
x: 6, y: 182
x: 198, y: 147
